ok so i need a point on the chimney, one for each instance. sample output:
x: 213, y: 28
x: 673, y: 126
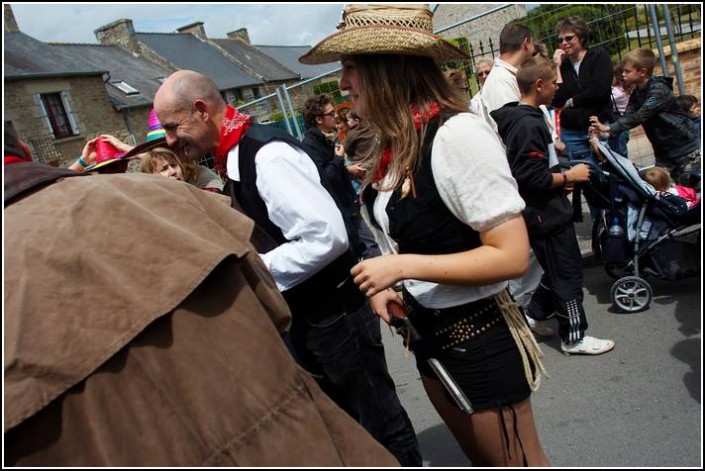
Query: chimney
x: 240, y: 34
x: 120, y: 32
x: 10, y: 23
x: 196, y: 29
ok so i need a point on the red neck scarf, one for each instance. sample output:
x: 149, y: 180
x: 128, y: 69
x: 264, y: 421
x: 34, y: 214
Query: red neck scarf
x: 418, y: 118
x: 235, y: 124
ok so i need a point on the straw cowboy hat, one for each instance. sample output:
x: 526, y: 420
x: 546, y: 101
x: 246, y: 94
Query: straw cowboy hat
x: 384, y: 29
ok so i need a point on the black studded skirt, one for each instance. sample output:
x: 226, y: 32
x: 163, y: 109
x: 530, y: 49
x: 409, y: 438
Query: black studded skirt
x: 475, y: 345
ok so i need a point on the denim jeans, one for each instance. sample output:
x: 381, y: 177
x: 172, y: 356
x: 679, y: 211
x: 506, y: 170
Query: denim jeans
x: 619, y: 143
x: 346, y: 354
x: 578, y: 148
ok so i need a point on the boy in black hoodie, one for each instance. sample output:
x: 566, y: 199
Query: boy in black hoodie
x: 653, y: 105
x: 548, y: 212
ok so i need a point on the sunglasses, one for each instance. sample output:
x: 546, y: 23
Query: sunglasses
x: 330, y: 113
x: 568, y: 38
x: 483, y: 74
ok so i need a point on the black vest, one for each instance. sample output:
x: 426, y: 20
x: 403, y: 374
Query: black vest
x: 424, y: 224
x: 328, y: 292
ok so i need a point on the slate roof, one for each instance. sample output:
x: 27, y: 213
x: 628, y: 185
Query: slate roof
x: 289, y: 57
x: 26, y: 57
x: 260, y: 63
x: 122, y: 65
x: 185, y: 51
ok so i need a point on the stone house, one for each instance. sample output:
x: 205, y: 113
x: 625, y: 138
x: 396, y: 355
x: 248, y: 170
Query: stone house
x: 480, y: 30
x: 56, y: 97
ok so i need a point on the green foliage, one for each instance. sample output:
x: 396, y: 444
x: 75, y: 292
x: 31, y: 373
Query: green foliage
x: 463, y: 44
x: 331, y: 88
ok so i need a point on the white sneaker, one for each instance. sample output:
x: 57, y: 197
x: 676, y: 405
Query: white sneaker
x: 540, y: 328
x: 587, y: 346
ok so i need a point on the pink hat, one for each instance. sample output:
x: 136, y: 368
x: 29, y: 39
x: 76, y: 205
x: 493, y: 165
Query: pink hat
x: 106, y: 154
x: 156, y: 136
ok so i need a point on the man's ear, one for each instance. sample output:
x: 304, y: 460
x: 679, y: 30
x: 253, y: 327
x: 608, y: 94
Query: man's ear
x: 201, y: 109
x: 538, y: 85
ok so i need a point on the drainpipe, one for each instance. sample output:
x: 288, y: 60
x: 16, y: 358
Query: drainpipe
x: 674, y: 49
x: 659, y: 44
x: 126, y: 117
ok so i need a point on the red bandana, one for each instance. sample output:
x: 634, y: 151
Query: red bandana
x: 235, y: 124
x: 433, y: 110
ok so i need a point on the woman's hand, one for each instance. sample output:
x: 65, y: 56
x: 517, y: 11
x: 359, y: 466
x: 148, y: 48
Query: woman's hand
x: 117, y: 143
x: 377, y: 274
x: 357, y: 170
x: 558, y: 56
x: 88, y: 154
x: 380, y: 301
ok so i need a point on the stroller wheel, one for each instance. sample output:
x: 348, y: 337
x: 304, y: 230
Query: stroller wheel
x: 631, y: 294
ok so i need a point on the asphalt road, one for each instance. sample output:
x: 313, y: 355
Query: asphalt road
x: 637, y: 406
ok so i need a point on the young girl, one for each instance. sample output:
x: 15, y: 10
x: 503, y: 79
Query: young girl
x: 167, y: 164
x: 620, y: 100
x: 441, y: 190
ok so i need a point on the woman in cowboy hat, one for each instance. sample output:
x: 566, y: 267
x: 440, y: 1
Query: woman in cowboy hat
x: 442, y: 193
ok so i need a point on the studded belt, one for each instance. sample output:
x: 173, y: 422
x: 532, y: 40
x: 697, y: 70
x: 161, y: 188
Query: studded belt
x: 442, y: 329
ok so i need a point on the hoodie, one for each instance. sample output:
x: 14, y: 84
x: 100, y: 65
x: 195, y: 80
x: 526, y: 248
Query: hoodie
x: 528, y: 141
x: 668, y: 128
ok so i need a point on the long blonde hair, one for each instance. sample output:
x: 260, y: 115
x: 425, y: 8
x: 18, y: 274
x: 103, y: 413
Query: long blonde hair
x: 391, y: 84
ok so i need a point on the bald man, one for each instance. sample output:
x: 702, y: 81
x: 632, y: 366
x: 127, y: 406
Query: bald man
x: 272, y: 179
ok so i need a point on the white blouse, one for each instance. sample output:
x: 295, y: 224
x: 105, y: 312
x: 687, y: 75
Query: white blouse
x: 472, y: 174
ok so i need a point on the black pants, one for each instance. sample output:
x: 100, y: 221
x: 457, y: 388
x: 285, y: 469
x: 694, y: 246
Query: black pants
x: 561, y: 288
x: 345, y: 354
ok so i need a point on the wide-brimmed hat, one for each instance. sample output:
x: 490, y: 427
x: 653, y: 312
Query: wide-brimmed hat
x: 156, y: 136
x: 384, y: 29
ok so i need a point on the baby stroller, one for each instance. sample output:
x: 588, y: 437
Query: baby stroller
x: 640, y: 231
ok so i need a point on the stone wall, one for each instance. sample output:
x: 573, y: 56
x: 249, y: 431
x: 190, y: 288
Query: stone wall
x: 89, y: 103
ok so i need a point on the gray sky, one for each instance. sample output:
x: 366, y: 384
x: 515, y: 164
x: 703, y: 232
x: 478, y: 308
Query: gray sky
x: 267, y: 24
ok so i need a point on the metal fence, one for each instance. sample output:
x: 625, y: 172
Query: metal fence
x: 617, y: 27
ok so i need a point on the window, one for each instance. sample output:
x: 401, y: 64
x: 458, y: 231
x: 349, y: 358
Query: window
x: 124, y: 87
x: 256, y: 93
x: 58, y: 115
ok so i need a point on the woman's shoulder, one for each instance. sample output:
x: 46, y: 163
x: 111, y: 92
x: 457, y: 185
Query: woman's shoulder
x: 466, y: 124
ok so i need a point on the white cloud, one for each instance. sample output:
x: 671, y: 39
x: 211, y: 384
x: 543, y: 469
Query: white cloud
x: 267, y: 24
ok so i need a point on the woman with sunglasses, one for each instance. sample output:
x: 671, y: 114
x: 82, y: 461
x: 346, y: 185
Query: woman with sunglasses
x: 585, y: 78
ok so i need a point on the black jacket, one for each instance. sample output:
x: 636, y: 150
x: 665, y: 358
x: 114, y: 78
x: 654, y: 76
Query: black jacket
x: 336, y: 179
x: 590, y: 90
x: 668, y: 128
x: 527, y: 138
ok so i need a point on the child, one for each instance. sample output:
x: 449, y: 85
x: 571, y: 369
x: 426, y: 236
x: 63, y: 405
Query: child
x: 690, y: 106
x: 165, y: 163
x: 548, y: 213
x: 620, y: 100
x: 659, y: 178
x: 653, y: 105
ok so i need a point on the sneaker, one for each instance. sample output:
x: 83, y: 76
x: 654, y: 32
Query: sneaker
x: 540, y: 328
x: 587, y: 346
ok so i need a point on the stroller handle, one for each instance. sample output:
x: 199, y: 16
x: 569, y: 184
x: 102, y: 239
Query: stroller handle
x: 593, y: 166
